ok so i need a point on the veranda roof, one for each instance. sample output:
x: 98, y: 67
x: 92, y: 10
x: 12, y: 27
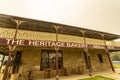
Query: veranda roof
x: 38, y: 25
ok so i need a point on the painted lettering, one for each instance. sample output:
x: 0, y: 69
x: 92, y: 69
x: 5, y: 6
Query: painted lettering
x: 8, y: 41
x: 31, y: 42
x: 21, y: 42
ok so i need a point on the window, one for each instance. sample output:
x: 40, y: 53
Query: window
x: 48, y: 59
x: 100, y: 58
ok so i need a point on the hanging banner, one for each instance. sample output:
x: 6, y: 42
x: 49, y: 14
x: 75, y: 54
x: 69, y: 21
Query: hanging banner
x: 21, y: 42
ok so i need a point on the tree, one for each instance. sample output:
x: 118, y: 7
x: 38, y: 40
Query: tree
x: 115, y: 56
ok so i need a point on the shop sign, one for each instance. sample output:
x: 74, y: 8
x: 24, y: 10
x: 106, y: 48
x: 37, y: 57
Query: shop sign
x: 21, y: 42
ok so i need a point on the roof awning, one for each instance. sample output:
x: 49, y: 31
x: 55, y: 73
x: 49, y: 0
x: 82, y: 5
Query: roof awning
x: 37, y: 25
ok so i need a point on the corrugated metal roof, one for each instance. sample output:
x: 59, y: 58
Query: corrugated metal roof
x: 37, y: 25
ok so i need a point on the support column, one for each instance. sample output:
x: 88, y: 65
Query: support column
x: 56, y: 52
x: 107, y: 51
x: 11, y: 49
x: 2, y: 62
x: 87, y: 54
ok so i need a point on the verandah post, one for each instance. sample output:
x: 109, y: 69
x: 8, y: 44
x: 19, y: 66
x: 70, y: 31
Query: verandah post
x: 87, y: 54
x: 11, y: 49
x: 107, y: 51
x: 56, y: 52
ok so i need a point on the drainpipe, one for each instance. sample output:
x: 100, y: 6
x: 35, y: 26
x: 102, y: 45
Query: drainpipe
x: 107, y: 51
x: 11, y: 49
x: 2, y: 62
x: 87, y: 54
x: 56, y: 52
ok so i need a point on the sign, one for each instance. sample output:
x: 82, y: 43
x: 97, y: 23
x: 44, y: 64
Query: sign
x: 21, y: 42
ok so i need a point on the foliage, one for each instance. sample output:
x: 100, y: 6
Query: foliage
x: 115, y: 56
x: 97, y: 78
x: 116, y: 65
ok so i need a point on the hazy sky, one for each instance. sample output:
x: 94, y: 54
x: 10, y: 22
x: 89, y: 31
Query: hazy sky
x: 101, y: 15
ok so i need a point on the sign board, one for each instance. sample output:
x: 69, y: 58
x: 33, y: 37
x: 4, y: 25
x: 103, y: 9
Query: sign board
x: 21, y: 42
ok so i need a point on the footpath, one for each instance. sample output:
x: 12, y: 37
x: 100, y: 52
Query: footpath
x: 112, y: 75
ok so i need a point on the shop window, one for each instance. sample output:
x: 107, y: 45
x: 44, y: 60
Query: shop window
x: 48, y: 59
x: 100, y: 58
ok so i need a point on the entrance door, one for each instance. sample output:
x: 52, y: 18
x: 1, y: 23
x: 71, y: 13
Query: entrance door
x: 16, y: 62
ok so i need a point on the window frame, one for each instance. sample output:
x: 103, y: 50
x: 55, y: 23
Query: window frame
x: 100, y: 58
x: 48, y: 52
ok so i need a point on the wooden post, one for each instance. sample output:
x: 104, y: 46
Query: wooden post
x: 107, y: 51
x: 56, y: 52
x: 87, y: 54
x: 11, y: 49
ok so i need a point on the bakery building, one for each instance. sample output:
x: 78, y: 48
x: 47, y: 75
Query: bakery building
x: 38, y: 49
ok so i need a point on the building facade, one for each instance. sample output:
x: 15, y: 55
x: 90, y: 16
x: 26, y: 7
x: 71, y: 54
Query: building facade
x: 42, y: 49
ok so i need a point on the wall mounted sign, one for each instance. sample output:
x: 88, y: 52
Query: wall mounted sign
x: 21, y: 42
x: 34, y: 38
